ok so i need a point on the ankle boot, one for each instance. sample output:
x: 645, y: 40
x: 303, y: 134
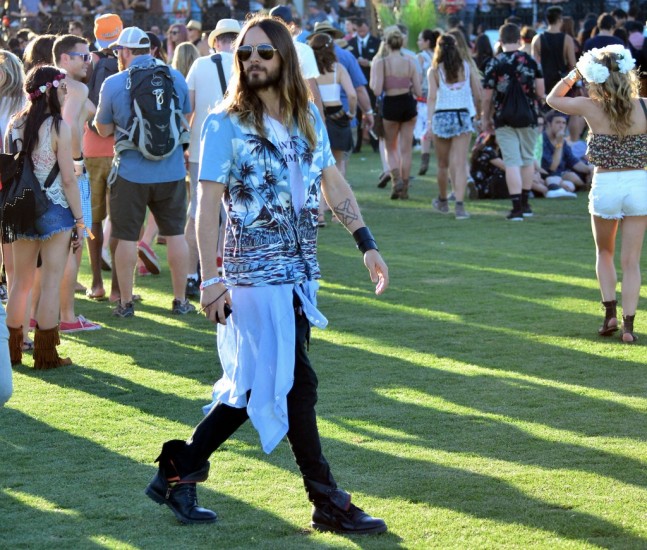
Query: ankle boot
x: 384, y: 178
x: 628, y: 336
x: 404, y: 193
x: 396, y: 184
x: 610, y: 312
x: 334, y: 511
x: 15, y: 345
x: 178, y: 490
x: 424, y: 164
x: 45, y: 354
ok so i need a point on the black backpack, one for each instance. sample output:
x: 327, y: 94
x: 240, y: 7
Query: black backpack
x: 515, y: 110
x: 157, y: 125
x: 105, y: 67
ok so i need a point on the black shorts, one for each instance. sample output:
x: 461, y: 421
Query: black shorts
x: 128, y: 202
x: 399, y: 108
x: 339, y: 131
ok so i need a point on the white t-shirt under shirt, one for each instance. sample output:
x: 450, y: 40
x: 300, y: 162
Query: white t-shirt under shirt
x: 204, y: 81
x: 292, y: 160
x: 307, y: 60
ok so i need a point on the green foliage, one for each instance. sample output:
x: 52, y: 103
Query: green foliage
x: 472, y: 405
x: 417, y: 15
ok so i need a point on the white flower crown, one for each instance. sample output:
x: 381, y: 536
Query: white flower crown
x: 592, y: 70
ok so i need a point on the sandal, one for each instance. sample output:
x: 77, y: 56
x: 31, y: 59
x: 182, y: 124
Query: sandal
x: 628, y: 336
x: 609, y: 327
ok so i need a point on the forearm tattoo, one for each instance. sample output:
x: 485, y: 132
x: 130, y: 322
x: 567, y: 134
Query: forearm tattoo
x: 345, y: 212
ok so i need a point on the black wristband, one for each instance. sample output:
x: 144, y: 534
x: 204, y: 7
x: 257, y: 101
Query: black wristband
x: 364, y: 240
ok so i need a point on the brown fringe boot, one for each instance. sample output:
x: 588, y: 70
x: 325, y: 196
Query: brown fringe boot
x: 45, y: 354
x: 404, y: 193
x: 424, y: 164
x: 397, y: 185
x: 15, y: 345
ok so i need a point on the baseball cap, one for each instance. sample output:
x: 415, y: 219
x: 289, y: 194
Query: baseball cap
x: 326, y: 27
x: 132, y: 37
x: 224, y: 26
x: 282, y: 12
x: 195, y: 25
x: 107, y: 28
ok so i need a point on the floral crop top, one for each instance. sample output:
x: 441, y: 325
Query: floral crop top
x: 615, y: 153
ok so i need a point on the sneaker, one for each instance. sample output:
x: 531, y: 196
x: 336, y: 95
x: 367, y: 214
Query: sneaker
x: 472, y: 191
x: 451, y: 198
x: 192, y: 288
x: 440, y: 205
x: 126, y: 310
x: 560, y: 193
x: 79, y: 325
x: 106, y: 260
x: 515, y: 216
x: 148, y: 256
x: 182, y: 307
x: 527, y: 211
x: 460, y: 213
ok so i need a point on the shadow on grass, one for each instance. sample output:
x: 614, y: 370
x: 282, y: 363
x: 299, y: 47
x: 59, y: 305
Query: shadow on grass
x: 93, y: 495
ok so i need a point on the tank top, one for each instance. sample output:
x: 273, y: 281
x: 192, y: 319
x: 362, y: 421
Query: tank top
x: 395, y: 82
x: 425, y: 67
x: 331, y: 93
x: 44, y: 159
x: 552, y: 58
x: 455, y: 96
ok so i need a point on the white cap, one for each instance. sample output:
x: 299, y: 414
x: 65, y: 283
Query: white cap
x: 133, y: 38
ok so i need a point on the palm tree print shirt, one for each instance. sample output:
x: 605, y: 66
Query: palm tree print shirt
x: 266, y: 241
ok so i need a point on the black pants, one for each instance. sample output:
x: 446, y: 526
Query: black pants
x: 303, y: 435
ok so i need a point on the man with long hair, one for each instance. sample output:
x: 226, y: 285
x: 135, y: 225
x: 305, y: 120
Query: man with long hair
x: 266, y: 150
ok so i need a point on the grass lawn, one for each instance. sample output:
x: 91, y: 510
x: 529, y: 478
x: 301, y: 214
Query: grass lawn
x: 471, y: 406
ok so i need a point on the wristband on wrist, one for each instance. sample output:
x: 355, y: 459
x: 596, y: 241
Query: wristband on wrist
x: 212, y: 281
x: 364, y: 240
x: 369, y: 112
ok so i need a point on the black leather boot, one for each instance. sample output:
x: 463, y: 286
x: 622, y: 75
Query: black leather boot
x: 177, y: 490
x: 333, y: 511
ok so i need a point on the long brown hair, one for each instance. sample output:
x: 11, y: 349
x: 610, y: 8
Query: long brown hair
x: 616, y: 93
x: 293, y: 91
x: 447, y: 53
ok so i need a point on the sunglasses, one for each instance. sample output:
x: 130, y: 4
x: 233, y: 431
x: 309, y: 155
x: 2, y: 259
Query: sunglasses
x: 86, y: 57
x: 264, y: 51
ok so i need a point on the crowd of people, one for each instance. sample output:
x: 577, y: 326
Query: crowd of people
x: 258, y: 121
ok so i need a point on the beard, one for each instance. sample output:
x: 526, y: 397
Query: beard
x: 262, y: 79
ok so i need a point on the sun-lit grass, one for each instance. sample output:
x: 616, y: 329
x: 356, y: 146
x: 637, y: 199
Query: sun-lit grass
x: 471, y: 406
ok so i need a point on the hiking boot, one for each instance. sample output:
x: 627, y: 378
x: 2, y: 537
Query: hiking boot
x: 440, y: 205
x: 192, y: 288
x: 181, y: 496
x: 515, y: 216
x: 353, y: 521
x: 182, y: 307
x: 125, y: 310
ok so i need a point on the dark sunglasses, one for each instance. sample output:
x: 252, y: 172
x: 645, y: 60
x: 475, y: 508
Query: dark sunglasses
x: 264, y: 51
x: 86, y: 57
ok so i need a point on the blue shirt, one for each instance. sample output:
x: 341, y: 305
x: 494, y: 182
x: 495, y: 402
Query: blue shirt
x: 568, y: 158
x: 266, y: 241
x: 349, y: 61
x: 114, y: 108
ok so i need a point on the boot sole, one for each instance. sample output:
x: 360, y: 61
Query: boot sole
x: 156, y: 497
x: 327, y: 529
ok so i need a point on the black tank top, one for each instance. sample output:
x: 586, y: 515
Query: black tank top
x: 552, y: 58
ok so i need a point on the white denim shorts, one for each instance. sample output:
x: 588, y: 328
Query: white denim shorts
x: 615, y: 195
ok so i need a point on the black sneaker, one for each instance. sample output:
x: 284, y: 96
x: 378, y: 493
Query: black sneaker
x: 515, y: 216
x: 527, y: 211
x: 126, y: 310
x: 182, y: 307
x: 192, y: 288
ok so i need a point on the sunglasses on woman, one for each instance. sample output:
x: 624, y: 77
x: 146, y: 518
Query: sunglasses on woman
x: 264, y: 51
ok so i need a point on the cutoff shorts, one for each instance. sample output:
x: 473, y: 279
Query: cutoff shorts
x: 56, y: 219
x: 451, y: 123
x: 615, y: 195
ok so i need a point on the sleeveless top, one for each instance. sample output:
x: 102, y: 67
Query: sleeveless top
x: 455, y: 96
x: 44, y: 159
x: 612, y: 152
x: 552, y: 58
x: 331, y: 93
x: 425, y: 67
x: 395, y: 82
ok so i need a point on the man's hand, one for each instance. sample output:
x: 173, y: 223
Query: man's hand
x: 378, y: 270
x: 367, y: 121
x: 213, y: 300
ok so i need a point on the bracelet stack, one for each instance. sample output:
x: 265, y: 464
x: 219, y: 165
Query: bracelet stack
x: 364, y: 240
x: 212, y: 281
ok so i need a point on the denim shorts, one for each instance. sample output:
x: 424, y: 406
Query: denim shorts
x: 451, y: 123
x: 615, y: 195
x: 55, y: 220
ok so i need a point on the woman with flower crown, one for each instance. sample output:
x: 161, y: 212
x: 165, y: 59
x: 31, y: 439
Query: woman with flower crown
x: 41, y: 133
x: 617, y: 147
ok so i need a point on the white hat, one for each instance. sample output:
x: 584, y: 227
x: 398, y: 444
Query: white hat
x: 224, y: 26
x: 133, y: 38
